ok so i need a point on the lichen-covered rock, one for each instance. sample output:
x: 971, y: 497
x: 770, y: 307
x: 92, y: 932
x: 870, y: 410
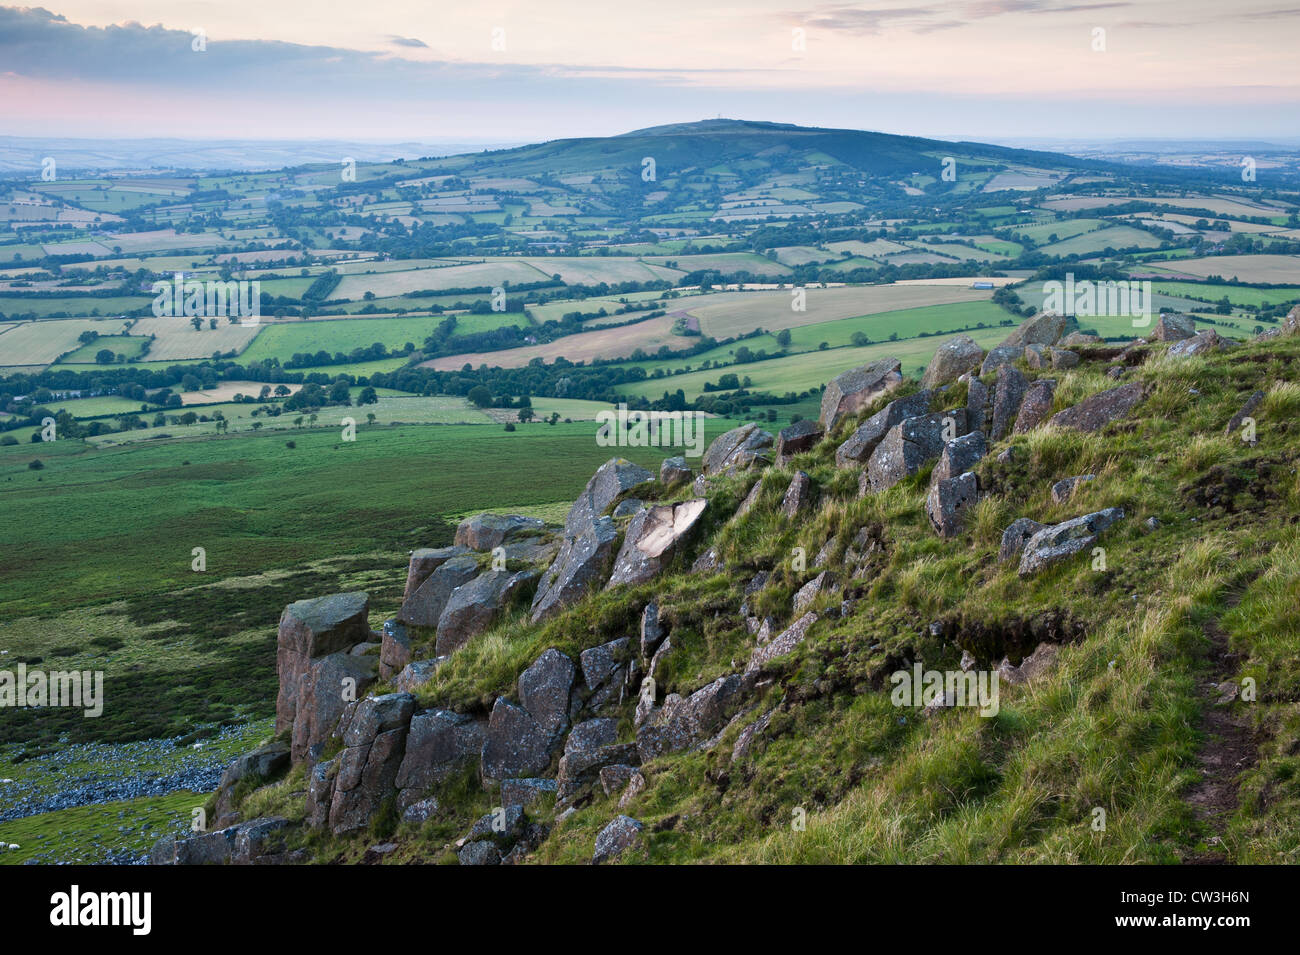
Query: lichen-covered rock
x: 1173, y: 327
x: 1001, y: 355
x: 394, y: 649
x: 850, y: 392
x: 1063, y: 489
x: 1045, y: 328
x: 912, y: 444
x: 652, y: 539
x: 948, y: 501
x: 256, y: 766
x: 1016, y: 536
x: 1007, y: 396
x: 1064, y: 358
x: 439, y: 744
x: 797, y: 438
x: 611, y: 481
x: 424, y: 562
x: 979, y: 405
x: 783, y: 643
x: 544, y: 691
x: 579, y: 770
x: 652, y: 631
x: 951, y: 360
x: 309, y: 630
x: 525, y: 792
x: 1036, y: 406
x: 1200, y: 344
x: 1246, y: 410
x: 959, y: 456
x: 798, y: 496
x: 486, y: 531
x: 582, y: 563
x: 737, y: 450
x: 1059, y: 541
x: 476, y: 606
x: 616, y: 838
x: 604, y: 670
x: 684, y: 721
x: 425, y: 605
x: 859, y: 445
x: 514, y: 745
x: 674, y: 471
x: 1093, y: 413
x: 415, y: 675
x: 366, y: 776
x: 324, y: 691
x: 822, y: 583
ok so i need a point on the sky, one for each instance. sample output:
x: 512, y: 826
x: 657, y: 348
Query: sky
x: 504, y: 71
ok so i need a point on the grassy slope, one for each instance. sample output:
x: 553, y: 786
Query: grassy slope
x: 1115, y: 725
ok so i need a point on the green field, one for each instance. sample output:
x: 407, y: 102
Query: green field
x: 1114, y: 237
x: 1235, y: 294
x: 130, y: 346
x: 285, y: 339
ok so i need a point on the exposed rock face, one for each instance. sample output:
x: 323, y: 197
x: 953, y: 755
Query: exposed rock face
x: 1016, y: 536
x: 951, y: 360
x: 583, y: 561
x: 1173, y: 327
x: 1064, y: 358
x: 525, y: 792
x: 948, y: 501
x: 810, y: 591
x: 589, y: 538
x: 1062, y: 490
x: 652, y: 631
x: 591, y: 734
x: 604, y: 671
x: 1059, y: 541
x: 1046, y: 328
x: 1199, y: 344
x: 1248, y: 409
x: 780, y: 645
x: 425, y: 605
x: 310, y: 629
x: 1007, y: 396
x: 652, y: 539
x: 799, y: 495
x: 616, y: 838
x: 675, y: 471
x: 736, y: 450
x: 439, y: 745
x: 959, y: 456
x: 515, y: 745
x: 1095, y: 412
x: 323, y: 693
x: 544, y: 690
x: 1075, y: 339
x: 1291, y: 324
x: 682, y: 722
x: 486, y: 531
x: 256, y: 842
x: 912, y: 444
x: 476, y: 606
x: 1037, y: 356
x: 424, y: 562
x: 799, y: 437
x: 394, y: 649
x: 581, y: 768
x: 751, y: 499
x: 850, y: 392
x: 415, y: 675
x: 979, y: 405
x: 1036, y: 406
x: 261, y: 764
x: 868, y: 435
x: 1001, y: 355
x: 367, y: 768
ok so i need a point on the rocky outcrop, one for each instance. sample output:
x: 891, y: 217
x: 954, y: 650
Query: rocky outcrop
x: 948, y: 501
x: 249, y: 769
x: 1075, y: 339
x: 374, y: 744
x: 604, y: 672
x: 486, y: 531
x: 685, y: 721
x: 1059, y: 541
x: 424, y: 562
x: 520, y: 739
x: 951, y: 360
x: 850, y: 392
x: 859, y: 445
x: 653, y: 537
x: 310, y: 630
x: 439, y: 745
x: 1200, y: 344
x: 798, y: 496
x: 1008, y: 393
x: 1001, y: 355
x: 1094, y: 413
x: 329, y: 686
x: 1173, y: 327
x: 797, y: 438
x: 1246, y: 410
x: 1036, y: 406
x: 979, y: 405
x: 959, y: 456
x: 1064, y: 489
x: 912, y: 444
x: 1016, y: 536
x: 1045, y: 328
x: 737, y: 450
x: 425, y: 605
x: 394, y: 649
x: 783, y: 643
x: 582, y: 563
x: 674, y: 471
x: 476, y: 606
x: 256, y: 842
x: 616, y: 838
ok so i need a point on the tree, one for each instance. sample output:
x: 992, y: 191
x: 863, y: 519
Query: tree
x: 783, y: 338
x: 479, y: 396
x: 526, y: 413
x: 197, y: 323
x: 104, y: 356
x: 370, y: 417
